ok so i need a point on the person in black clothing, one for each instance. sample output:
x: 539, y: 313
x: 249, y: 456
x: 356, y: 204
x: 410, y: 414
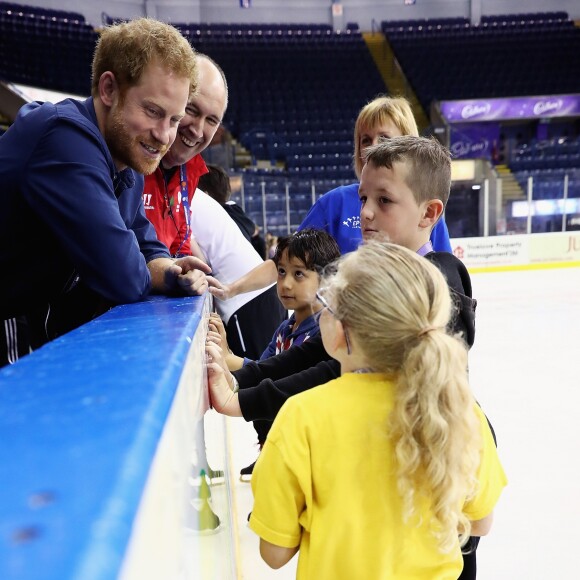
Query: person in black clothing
x: 405, y: 185
x: 216, y: 183
x: 264, y: 386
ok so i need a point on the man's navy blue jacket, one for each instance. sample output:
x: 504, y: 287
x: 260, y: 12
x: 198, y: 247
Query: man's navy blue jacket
x: 67, y: 213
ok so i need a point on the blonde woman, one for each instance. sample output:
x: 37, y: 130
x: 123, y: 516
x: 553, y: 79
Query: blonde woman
x: 419, y: 471
x: 338, y: 211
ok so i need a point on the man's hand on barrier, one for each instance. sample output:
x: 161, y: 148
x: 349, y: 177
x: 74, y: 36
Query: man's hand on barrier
x: 192, y: 278
x: 186, y: 275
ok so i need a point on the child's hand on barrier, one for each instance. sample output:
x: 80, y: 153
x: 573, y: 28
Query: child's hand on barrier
x: 219, y: 290
x: 215, y: 354
x: 217, y: 329
x: 213, y: 336
x: 221, y: 382
x: 216, y: 324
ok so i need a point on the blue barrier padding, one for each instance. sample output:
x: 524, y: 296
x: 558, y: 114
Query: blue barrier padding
x: 80, y: 420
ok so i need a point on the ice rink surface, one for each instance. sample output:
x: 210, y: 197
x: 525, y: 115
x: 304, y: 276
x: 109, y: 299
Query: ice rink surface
x: 525, y: 372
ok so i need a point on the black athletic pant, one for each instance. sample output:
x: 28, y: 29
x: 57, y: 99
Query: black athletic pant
x: 14, y: 340
x: 251, y: 327
x: 43, y: 322
x: 469, y: 571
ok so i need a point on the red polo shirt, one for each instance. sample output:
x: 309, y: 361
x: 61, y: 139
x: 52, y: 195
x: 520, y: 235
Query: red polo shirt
x: 163, y: 205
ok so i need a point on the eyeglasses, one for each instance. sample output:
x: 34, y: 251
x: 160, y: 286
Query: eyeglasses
x: 325, y: 304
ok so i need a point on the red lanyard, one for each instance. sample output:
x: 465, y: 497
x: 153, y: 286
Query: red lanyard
x: 184, y: 205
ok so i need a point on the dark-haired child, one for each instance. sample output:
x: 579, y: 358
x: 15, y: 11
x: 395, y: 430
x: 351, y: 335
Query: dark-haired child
x: 300, y: 260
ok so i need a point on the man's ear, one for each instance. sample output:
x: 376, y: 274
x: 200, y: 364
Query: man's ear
x: 431, y: 213
x: 108, y: 88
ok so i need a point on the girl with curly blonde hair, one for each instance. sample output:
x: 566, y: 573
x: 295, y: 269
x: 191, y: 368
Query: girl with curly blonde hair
x: 417, y: 464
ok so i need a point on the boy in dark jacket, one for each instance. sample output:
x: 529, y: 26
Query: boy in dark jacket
x: 300, y: 260
x: 404, y: 187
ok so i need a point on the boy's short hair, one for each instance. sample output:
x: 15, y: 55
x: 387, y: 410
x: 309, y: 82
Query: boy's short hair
x: 316, y: 248
x: 428, y: 163
x: 127, y: 49
x: 216, y: 183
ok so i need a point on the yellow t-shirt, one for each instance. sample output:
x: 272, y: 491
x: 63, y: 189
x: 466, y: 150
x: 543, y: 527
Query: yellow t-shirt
x: 325, y: 480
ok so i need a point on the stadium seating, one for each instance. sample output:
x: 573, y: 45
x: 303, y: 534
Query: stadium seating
x: 47, y: 48
x: 547, y: 162
x: 295, y: 89
x: 508, y: 55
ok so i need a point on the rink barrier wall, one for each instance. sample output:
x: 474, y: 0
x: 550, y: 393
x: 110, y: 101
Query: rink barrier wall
x: 519, y: 252
x: 102, y: 439
x: 102, y: 448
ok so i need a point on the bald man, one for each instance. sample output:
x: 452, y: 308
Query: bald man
x: 188, y: 221
x: 168, y: 191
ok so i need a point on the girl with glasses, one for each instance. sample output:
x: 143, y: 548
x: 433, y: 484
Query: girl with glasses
x: 419, y: 471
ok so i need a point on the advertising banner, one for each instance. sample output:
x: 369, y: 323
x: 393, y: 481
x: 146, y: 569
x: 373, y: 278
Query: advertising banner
x: 492, y: 251
x: 558, y: 247
x: 474, y: 141
x: 468, y: 111
x: 519, y: 251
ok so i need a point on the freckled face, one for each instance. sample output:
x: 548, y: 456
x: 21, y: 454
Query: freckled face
x: 388, y: 207
x: 143, y: 122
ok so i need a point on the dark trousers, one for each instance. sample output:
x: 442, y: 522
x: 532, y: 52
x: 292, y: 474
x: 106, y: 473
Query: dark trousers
x: 14, y: 340
x: 44, y: 321
x: 250, y: 328
x: 469, y: 571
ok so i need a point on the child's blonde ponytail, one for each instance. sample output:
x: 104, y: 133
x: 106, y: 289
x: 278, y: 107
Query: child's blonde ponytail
x: 397, y: 305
